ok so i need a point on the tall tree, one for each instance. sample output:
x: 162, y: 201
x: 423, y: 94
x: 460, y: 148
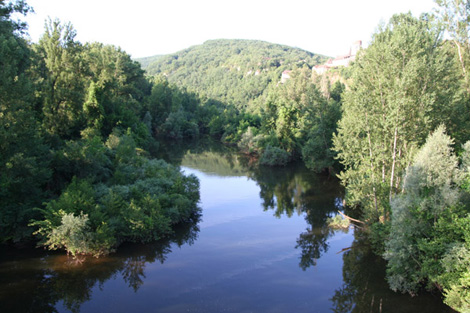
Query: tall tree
x: 116, y: 90
x: 400, y: 91
x: 430, y: 190
x: 456, y: 17
x: 23, y: 156
x: 61, y: 80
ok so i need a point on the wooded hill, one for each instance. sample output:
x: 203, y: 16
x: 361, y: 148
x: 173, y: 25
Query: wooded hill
x: 232, y: 71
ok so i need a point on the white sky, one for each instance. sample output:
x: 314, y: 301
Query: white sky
x: 145, y: 28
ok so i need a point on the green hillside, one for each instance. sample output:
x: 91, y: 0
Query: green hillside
x: 146, y: 61
x: 233, y: 71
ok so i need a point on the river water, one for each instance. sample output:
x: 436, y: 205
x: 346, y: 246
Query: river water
x: 260, y: 245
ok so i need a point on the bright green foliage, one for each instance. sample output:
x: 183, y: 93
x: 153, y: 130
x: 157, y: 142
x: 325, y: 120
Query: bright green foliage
x: 452, y: 269
x: 339, y: 222
x: 75, y: 237
x: 92, y: 109
x: 301, y: 120
x: 250, y: 141
x: 455, y: 14
x: 66, y: 223
x: 60, y: 79
x: 400, y: 90
x: 140, y: 202
x: 72, y: 235
x: 235, y: 72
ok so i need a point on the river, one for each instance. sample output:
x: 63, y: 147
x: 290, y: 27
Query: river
x: 260, y: 245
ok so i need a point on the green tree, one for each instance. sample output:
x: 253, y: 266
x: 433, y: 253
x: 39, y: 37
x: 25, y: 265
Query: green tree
x: 455, y: 14
x: 23, y: 155
x: 59, y: 73
x: 431, y: 190
x: 299, y: 117
x: 116, y: 92
x: 402, y: 86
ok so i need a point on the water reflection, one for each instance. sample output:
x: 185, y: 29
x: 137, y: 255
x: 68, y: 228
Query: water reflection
x: 286, y: 191
x: 51, y: 279
x: 294, y: 189
x: 245, y: 259
x: 366, y: 290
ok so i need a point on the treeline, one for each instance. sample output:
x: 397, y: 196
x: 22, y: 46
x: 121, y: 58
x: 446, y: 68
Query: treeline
x: 235, y: 72
x: 77, y: 122
x: 74, y: 126
x: 398, y: 128
x: 295, y: 121
x: 403, y: 141
x: 76, y: 119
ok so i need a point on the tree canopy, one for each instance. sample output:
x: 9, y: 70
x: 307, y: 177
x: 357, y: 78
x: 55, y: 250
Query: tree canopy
x: 235, y: 72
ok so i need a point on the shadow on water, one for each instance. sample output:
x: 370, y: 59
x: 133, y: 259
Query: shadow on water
x: 288, y: 190
x: 39, y: 281
x: 366, y: 290
x: 296, y: 190
x: 36, y: 281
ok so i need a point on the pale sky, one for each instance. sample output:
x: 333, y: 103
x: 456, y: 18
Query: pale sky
x: 145, y: 28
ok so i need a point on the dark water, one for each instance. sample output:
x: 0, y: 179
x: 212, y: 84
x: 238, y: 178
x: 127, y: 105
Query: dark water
x: 261, y: 245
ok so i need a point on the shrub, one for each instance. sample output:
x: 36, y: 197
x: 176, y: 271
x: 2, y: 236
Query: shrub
x: 274, y: 156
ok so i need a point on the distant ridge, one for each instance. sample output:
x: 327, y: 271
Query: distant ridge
x: 146, y: 61
x: 234, y: 71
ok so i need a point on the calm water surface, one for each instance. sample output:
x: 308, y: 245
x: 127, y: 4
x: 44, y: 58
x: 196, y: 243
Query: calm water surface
x: 261, y: 245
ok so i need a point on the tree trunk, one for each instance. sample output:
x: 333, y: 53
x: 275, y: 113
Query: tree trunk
x: 372, y: 167
x: 394, y: 157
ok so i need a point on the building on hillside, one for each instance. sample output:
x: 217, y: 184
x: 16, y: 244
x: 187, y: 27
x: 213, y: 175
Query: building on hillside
x: 285, y: 76
x: 320, y: 69
x: 343, y: 60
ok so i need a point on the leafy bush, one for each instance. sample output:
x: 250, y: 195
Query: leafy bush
x: 274, y: 156
x: 178, y: 126
x: 139, y: 203
x: 429, y: 241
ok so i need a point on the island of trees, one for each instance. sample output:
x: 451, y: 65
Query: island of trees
x: 78, y: 123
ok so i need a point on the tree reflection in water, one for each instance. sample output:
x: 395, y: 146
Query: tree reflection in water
x: 294, y: 189
x: 59, y: 278
x: 285, y: 191
x: 366, y: 290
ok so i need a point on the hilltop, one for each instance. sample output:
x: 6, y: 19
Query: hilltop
x: 146, y: 61
x: 233, y: 71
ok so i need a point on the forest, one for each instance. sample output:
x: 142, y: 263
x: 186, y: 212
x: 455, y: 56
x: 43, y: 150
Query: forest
x: 79, y: 122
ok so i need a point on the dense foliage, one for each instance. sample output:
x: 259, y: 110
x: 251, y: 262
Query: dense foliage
x: 429, y: 236
x: 412, y: 192
x: 235, y: 72
x: 76, y: 120
x: 140, y: 201
x: 295, y: 121
x: 72, y: 132
x: 403, y: 86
